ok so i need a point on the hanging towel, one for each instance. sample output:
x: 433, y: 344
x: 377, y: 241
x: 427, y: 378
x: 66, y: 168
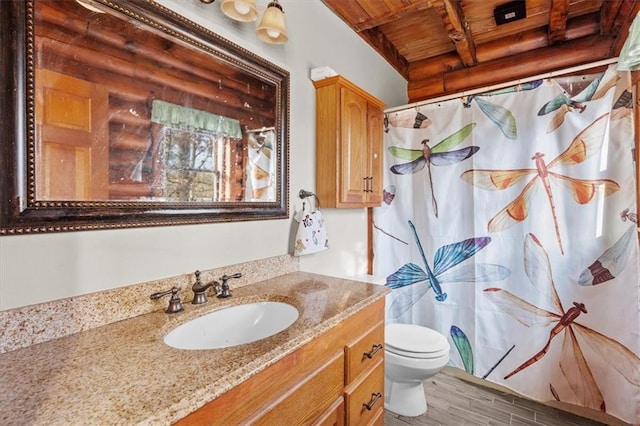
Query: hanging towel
x: 311, y: 236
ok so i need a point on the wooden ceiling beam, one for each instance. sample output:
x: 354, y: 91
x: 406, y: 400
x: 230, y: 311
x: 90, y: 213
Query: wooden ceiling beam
x: 622, y: 24
x: 608, y: 14
x: 381, y: 44
x: 427, y: 68
x: 537, y: 50
x: 558, y: 15
x: 628, y: 11
x: 554, y: 58
x: 455, y: 24
x: 392, y: 15
x: 536, y: 38
x: 368, y: 29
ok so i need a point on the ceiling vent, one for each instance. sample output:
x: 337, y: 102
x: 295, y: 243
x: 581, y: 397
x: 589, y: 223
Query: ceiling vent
x: 509, y: 12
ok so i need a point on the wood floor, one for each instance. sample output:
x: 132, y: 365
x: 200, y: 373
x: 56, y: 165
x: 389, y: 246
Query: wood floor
x: 452, y: 401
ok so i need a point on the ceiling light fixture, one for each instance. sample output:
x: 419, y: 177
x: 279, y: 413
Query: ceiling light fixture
x: 271, y: 29
x: 240, y: 10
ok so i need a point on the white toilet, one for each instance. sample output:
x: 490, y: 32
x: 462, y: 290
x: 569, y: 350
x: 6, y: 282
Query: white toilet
x: 412, y: 354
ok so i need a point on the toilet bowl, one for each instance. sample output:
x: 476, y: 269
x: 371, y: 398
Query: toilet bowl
x: 413, y: 353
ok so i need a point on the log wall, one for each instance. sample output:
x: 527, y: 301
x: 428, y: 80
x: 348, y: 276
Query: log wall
x: 137, y: 66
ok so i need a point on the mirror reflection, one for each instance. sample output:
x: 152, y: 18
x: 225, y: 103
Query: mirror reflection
x: 127, y: 112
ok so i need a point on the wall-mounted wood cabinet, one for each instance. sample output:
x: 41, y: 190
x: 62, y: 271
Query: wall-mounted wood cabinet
x: 348, y: 145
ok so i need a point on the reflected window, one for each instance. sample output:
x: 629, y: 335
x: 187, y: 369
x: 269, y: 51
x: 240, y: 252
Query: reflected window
x: 199, y: 155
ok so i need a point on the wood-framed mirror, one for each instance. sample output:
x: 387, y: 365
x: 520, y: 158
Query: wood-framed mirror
x: 121, y: 114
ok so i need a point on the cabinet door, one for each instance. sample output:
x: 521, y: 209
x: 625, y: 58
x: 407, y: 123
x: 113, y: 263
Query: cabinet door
x: 375, y: 118
x: 353, y: 157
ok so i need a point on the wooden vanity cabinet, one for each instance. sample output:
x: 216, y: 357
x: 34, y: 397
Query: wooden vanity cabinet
x: 349, y: 130
x: 325, y: 382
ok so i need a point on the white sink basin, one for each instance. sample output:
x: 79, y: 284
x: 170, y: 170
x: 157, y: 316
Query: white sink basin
x: 233, y: 326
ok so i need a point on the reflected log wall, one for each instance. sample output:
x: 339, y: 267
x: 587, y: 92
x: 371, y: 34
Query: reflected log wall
x: 138, y: 66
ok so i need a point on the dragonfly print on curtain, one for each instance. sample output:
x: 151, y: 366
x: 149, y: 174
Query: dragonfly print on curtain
x: 445, y: 259
x: 532, y: 266
x: 441, y: 154
x: 501, y: 117
x: 573, y: 364
x: 415, y: 120
x: 611, y: 263
x: 586, y: 144
x: 563, y: 104
x: 463, y: 346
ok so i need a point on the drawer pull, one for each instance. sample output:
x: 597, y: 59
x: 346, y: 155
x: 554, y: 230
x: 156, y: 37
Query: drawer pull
x: 374, y: 398
x: 374, y: 349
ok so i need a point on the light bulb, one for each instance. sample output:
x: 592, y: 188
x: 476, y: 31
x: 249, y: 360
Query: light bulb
x: 274, y: 34
x: 241, y: 7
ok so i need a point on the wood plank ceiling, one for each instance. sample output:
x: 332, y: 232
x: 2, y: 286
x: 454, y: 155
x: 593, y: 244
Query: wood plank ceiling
x: 447, y: 46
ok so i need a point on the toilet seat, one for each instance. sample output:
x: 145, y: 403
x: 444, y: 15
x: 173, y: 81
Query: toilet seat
x: 415, y: 341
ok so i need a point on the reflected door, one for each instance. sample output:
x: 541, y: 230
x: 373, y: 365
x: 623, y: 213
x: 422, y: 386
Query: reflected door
x: 72, y: 160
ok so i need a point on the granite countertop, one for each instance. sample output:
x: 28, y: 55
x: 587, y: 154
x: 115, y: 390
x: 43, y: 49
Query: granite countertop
x: 123, y: 373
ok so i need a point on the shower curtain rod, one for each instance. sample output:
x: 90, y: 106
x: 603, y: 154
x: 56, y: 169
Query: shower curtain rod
x: 503, y: 85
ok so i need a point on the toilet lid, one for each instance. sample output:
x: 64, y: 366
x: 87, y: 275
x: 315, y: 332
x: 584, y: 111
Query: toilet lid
x: 415, y: 341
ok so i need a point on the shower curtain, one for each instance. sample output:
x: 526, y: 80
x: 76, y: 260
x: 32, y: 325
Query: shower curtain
x: 261, y: 167
x: 509, y: 225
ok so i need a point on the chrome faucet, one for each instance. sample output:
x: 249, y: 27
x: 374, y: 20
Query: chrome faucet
x: 200, y: 290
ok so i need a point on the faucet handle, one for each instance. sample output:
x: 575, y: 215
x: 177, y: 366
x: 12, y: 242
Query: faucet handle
x: 225, y: 278
x: 224, y: 287
x: 175, y: 304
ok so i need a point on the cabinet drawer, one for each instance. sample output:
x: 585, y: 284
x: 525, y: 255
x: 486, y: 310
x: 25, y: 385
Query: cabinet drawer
x: 378, y: 418
x: 365, y: 396
x: 308, y: 400
x: 364, y: 352
x: 334, y: 416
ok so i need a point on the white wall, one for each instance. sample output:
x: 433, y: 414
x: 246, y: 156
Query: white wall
x: 40, y: 268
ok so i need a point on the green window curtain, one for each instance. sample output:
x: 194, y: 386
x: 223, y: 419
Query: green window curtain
x: 188, y: 118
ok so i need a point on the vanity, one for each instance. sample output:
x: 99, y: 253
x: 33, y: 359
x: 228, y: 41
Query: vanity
x: 144, y: 84
x: 326, y: 368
